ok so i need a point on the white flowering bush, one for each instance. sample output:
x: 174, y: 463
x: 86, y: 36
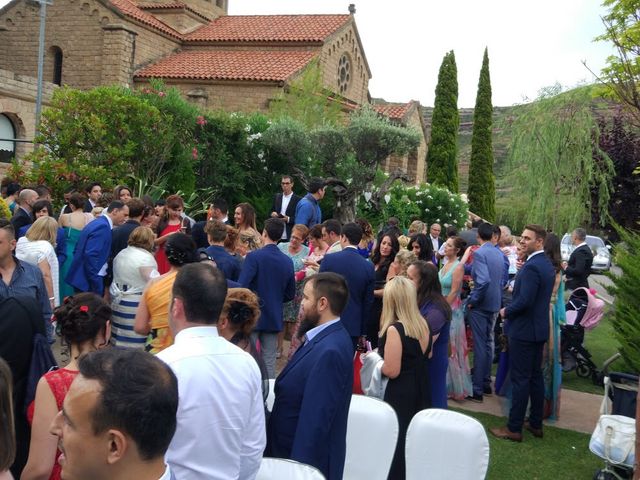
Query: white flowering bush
x: 425, y: 202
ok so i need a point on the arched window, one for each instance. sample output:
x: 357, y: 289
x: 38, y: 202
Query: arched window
x: 7, y: 136
x: 56, y: 53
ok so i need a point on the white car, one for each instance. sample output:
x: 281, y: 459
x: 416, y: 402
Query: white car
x: 601, y: 253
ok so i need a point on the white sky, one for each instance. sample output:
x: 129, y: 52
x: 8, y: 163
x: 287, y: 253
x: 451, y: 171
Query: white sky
x: 531, y: 44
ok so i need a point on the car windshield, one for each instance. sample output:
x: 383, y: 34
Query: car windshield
x: 595, y: 242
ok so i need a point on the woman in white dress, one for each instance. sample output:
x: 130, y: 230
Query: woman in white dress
x: 38, y: 248
x: 132, y: 269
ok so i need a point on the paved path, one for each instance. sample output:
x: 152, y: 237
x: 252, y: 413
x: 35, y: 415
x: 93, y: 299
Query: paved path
x: 579, y: 411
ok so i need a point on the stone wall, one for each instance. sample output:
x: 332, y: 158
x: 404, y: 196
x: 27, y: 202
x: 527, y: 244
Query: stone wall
x: 18, y: 102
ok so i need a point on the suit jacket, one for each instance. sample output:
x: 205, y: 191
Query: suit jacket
x: 91, y: 253
x: 120, y: 237
x: 269, y: 273
x: 312, y: 396
x: 360, y: 278
x: 528, y: 313
x: 486, y: 271
x: 20, y: 219
x: 289, y: 212
x: 226, y: 262
x: 579, y: 267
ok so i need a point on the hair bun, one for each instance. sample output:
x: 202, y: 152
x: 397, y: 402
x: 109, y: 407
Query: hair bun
x: 239, y: 312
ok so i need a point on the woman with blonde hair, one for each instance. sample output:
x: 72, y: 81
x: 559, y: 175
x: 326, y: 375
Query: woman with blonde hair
x: 405, y: 346
x: 38, y: 248
x: 133, y: 267
x: 401, y: 263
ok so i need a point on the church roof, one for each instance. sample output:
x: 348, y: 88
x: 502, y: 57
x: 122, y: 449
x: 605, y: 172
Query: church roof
x: 394, y: 111
x: 256, y: 65
x: 269, y: 28
x: 130, y: 9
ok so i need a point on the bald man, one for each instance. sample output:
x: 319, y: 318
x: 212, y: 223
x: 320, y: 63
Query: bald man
x: 23, y: 214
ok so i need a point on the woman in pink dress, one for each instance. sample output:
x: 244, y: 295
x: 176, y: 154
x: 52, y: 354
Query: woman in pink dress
x: 170, y: 223
x: 84, y: 325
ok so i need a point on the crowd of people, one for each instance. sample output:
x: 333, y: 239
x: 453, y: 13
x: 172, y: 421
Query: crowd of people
x: 175, y: 329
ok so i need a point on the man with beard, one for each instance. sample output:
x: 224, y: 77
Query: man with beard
x: 309, y: 418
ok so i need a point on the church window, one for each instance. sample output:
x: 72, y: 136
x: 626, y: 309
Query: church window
x: 344, y: 73
x: 7, y: 139
x: 56, y: 52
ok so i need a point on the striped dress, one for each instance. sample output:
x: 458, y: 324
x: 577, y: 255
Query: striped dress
x: 126, y: 291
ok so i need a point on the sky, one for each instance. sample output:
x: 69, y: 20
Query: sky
x: 531, y: 44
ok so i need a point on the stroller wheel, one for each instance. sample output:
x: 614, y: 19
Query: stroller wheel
x: 583, y: 371
x: 604, y: 475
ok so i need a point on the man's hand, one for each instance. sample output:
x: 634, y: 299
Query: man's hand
x: 274, y: 214
x: 503, y: 312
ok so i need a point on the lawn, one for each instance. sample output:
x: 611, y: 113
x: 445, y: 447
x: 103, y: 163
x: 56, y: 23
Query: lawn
x: 561, y: 454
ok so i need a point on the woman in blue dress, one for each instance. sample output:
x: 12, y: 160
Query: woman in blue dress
x: 437, y: 313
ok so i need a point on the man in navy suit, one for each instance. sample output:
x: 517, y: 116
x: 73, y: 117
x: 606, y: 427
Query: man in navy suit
x: 89, y: 265
x: 284, y: 205
x: 216, y: 232
x: 484, y: 302
x: 269, y: 273
x: 312, y: 394
x: 578, y: 268
x: 360, y: 278
x: 528, y: 330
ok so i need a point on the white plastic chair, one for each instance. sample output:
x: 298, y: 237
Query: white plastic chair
x: 446, y: 444
x: 271, y: 397
x: 280, y: 469
x: 372, y: 433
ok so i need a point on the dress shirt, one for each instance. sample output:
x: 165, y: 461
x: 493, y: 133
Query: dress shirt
x: 103, y: 270
x: 167, y: 474
x: 335, y: 248
x: 27, y: 281
x: 534, y: 253
x: 286, y: 199
x: 221, y: 425
x: 434, y: 242
x: 316, y: 330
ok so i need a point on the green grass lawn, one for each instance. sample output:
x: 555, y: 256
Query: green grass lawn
x: 561, y: 454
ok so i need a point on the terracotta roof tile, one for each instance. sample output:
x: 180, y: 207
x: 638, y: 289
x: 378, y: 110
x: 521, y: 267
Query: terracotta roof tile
x: 130, y: 9
x: 229, y: 65
x: 393, y: 110
x: 269, y: 28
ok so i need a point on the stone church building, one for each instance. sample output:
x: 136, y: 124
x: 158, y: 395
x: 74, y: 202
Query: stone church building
x: 236, y: 63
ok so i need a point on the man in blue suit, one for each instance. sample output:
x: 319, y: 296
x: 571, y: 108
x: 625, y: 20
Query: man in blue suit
x: 483, y: 304
x: 269, y: 273
x: 89, y: 265
x: 312, y: 394
x: 360, y: 278
x: 528, y: 330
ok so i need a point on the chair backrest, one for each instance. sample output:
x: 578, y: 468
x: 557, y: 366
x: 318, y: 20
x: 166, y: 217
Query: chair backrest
x: 435, y: 440
x: 280, y: 468
x: 372, y: 433
x: 272, y: 395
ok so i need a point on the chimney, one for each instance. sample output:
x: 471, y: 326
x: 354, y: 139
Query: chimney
x: 352, y: 8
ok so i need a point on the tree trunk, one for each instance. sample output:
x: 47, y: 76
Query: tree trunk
x: 345, y: 207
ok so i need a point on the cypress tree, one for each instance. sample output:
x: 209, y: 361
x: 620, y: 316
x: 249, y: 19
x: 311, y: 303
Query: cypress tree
x: 442, y: 163
x: 482, y: 190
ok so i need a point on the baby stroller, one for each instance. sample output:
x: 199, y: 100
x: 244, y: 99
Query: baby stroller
x: 614, y: 437
x: 584, y: 312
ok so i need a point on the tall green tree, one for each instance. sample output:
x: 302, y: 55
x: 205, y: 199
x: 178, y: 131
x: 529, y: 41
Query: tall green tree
x: 482, y: 190
x: 442, y: 162
x: 556, y: 163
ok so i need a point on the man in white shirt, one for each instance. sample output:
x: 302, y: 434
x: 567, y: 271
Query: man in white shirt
x: 331, y: 233
x: 434, y: 236
x: 116, y: 425
x: 221, y: 425
x: 284, y: 206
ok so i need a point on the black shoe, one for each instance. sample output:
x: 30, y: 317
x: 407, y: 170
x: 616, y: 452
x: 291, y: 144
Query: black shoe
x: 487, y: 391
x: 474, y: 398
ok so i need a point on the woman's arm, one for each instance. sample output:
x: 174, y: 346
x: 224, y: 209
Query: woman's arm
x: 392, y: 354
x: 45, y: 268
x: 163, y: 238
x: 456, y: 284
x: 142, y: 324
x: 145, y: 272
x: 42, y: 450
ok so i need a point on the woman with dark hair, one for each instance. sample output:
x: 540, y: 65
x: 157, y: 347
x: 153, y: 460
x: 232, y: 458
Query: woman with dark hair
x: 152, y: 316
x: 552, y: 363
x: 420, y: 244
x: 245, y: 221
x: 437, y: 312
x: 72, y: 223
x: 170, y: 224
x: 366, y: 243
x: 458, y: 373
x: 239, y: 316
x: 383, y: 256
x: 83, y: 322
x: 122, y: 193
x: 8, y: 431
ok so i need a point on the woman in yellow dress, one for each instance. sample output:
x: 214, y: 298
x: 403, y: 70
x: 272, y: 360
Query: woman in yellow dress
x: 152, y: 317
